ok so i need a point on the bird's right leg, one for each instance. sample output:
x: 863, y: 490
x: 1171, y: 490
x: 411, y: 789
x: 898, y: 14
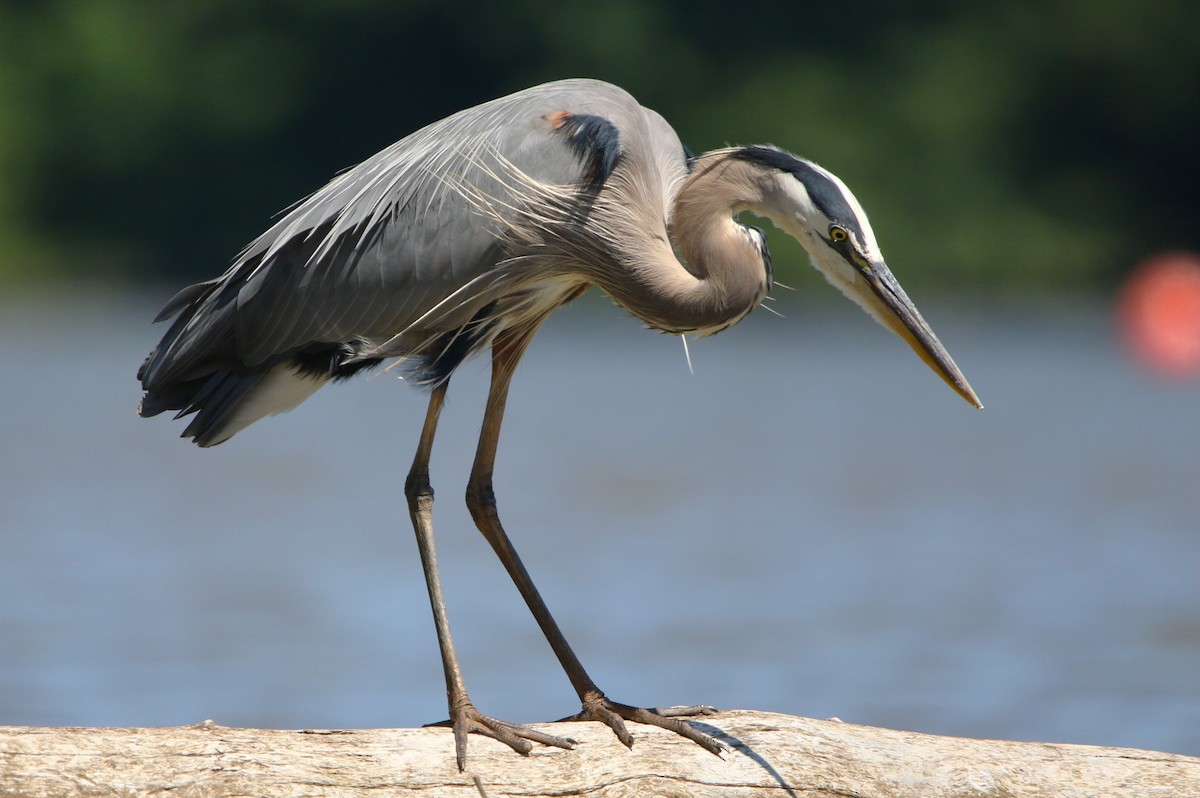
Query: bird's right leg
x: 481, y: 501
x: 464, y: 718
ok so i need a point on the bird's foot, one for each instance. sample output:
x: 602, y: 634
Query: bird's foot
x: 465, y: 719
x: 597, y: 707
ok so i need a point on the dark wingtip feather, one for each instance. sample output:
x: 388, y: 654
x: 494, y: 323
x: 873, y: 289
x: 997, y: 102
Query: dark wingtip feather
x: 213, y: 398
x: 214, y: 403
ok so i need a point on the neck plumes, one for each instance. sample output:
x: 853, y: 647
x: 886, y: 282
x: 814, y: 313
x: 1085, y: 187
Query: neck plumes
x: 715, y: 273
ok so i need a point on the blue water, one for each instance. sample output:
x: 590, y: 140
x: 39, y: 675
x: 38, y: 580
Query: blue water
x: 809, y: 523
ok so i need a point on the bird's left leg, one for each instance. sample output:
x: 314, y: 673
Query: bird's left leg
x: 481, y: 501
x: 464, y: 718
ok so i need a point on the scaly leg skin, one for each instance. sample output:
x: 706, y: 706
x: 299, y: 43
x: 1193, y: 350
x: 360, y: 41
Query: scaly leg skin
x: 481, y: 501
x: 464, y: 718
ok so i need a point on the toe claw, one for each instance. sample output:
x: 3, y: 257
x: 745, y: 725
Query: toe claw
x: 468, y: 720
x: 597, y: 707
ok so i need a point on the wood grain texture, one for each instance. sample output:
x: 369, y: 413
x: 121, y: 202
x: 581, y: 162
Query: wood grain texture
x: 769, y: 755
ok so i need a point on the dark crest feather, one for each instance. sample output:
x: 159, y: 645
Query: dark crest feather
x: 825, y: 193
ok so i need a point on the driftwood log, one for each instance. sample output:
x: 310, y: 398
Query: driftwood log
x: 769, y: 755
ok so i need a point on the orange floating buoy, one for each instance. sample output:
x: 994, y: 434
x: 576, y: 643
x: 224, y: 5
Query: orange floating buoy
x: 1159, y: 313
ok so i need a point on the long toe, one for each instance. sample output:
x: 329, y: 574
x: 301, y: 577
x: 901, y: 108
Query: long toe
x: 597, y: 707
x: 468, y: 720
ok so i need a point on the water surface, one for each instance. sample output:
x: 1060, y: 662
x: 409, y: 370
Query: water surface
x: 809, y: 523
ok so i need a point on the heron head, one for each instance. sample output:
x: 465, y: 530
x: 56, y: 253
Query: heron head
x: 817, y: 209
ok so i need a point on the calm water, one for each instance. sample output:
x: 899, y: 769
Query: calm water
x: 810, y: 523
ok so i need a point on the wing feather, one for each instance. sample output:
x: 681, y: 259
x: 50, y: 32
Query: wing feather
x: 370, y: 254
x: 410, y: 252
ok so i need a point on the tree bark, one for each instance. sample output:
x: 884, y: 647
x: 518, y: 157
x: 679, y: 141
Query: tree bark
x: 769, y: 755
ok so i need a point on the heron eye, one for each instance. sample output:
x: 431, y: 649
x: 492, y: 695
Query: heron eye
x: 838, y: 234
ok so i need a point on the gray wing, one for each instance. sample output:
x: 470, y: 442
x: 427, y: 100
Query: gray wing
x: 369, y: 255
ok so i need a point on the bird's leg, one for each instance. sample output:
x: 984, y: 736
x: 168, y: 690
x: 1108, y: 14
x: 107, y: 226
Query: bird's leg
x: 464, y: 718
x: 481, y: 501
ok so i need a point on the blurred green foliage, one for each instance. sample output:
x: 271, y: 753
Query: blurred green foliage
x: 1003, y: 145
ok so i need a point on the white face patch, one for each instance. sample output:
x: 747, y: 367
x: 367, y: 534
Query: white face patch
x: 798, y: 203
x: 793, y: 209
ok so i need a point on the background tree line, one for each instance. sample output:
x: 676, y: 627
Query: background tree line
x: 1008, y: 146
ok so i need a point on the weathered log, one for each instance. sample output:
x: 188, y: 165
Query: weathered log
x: 769, y: 755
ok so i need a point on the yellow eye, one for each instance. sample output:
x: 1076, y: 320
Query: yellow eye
x: 838, y: 234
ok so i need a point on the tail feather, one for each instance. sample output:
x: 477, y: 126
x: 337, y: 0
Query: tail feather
x: 216, y: 404
x: 171, y: 397
x: 227, y: 401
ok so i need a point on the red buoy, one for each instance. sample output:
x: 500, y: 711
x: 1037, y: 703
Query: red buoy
x: 1159, y: 313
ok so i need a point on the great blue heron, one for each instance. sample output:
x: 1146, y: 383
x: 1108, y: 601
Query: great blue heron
x: 466, y: 235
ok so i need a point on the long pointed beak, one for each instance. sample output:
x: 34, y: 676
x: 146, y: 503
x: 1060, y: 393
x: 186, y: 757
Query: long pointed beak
x: 898, y: 313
